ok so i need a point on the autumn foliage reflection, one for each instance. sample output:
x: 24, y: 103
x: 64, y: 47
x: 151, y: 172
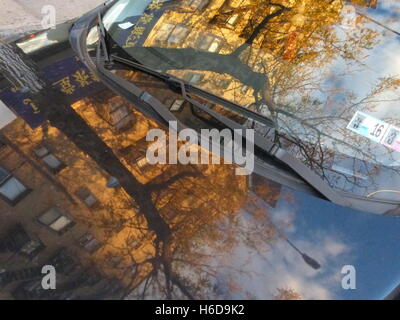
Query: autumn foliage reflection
x: 291, y: 61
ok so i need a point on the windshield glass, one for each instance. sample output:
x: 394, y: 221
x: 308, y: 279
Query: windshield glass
x: 326, y: 72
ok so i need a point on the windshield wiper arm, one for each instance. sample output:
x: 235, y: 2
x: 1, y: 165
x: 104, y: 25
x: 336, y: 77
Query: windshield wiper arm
x: 205, y: 94
x: 274, y: 150
x: 103, y: 40
x: 271, y: 148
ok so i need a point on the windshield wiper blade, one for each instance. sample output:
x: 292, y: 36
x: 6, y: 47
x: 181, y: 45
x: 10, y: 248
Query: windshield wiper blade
x: 103, y: 40
x: 269, y: 147
x: 274, y: 150
x: 205, y: 94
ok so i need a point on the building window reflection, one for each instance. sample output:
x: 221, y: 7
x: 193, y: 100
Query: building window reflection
x: 52, y: 162
x: 194, y: 77
x: 173, y: 34
x: 233, y: 19
x: 89, y: 243
x: 56, y: 220
x: 198, y: 4
x: 87, y: 197
x: 32, y: 248
x: 18, y: 241
x: 210, y: 43
x: 11, y: 189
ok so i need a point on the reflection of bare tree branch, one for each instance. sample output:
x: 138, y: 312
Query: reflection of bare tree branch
x: 320, y: 133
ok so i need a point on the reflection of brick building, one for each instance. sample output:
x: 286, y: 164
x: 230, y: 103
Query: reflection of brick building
x: 221, y: 26
x: 38, y: 227
x: 54, y: 200
x: 56, y: 208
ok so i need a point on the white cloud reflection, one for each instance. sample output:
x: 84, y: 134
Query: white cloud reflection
x: 283, y: 267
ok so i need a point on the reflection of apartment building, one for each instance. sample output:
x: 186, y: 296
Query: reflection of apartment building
x: 198, y: 25
x: 40, y: 226
x: 115, y: 111
x: 56, y: 208
x: 221, y: 26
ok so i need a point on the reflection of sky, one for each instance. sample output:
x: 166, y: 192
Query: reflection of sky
x: 386, y: 9
x: 371, y: 244
x: 334, y: 237
x: 383, y: 60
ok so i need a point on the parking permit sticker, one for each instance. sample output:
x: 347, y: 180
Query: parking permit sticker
x: 371, y: 128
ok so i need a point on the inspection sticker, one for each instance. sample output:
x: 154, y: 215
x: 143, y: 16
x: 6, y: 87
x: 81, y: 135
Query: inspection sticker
x: 375, y: 130
x: 369, y: 127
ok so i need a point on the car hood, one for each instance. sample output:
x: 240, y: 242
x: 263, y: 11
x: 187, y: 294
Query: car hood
x: 256, y: 246
x: 249, y: 237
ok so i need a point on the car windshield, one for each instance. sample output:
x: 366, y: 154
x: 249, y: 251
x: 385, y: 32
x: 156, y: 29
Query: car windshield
x: 326, y: 72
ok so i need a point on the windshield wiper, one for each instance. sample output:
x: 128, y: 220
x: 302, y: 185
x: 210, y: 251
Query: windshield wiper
x: 245, y: 112
x: 103, y: 43
x: 269, y: 147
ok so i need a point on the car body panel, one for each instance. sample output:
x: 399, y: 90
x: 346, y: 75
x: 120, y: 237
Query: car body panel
x: 249, y: 243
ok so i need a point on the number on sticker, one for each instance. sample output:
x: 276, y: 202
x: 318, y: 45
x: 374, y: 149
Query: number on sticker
x: 392, y: 136
x: 377, y: 130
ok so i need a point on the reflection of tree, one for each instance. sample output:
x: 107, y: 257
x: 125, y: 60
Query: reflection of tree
x: 205, y: 228
x: 201, y: 212
x: 155, y: 224
x: 285, y: 58
x: 200, y: 204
